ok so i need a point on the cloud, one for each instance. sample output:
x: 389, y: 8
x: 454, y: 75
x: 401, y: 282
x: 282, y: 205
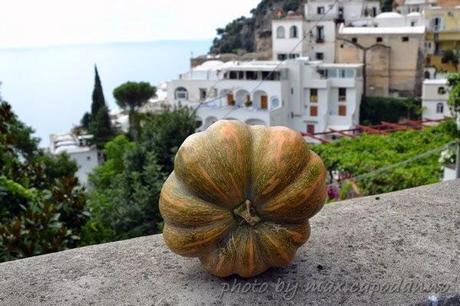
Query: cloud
x: 45, y: 22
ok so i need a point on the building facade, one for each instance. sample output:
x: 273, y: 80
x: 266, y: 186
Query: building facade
x: 443, y: 36
x: 434, y: 99
x: 391, y: 50
x: 85, y: 156
x: 308, y: 96
x: 313, y: 34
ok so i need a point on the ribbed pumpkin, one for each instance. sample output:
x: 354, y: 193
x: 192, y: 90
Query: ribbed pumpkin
x: 240, y: 197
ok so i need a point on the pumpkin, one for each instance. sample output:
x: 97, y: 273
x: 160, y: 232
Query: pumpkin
x: 240, y: 197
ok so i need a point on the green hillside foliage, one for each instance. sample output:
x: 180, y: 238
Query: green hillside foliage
x: 42, y: 206
x: 368, y: 153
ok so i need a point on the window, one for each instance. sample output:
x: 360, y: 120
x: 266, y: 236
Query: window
x: 379, y: 39
x: 319, y: 55
x: 181, y: 93
x: 313, y: 111
x: 405, y: 38
x: 342, y: 73
x: 310, y: 128
x: 354, y: 40
x: 319, y: 34
x: 441, y: 90
x: 275, y: 103
x: 280, y: 32
x: 313, y: 95
x: 203, y: 94
x: 292, y: 90
x: 293, y: 55
x: 282, y: 56
x: 342, y: 94
x: 439, y: 108
x: 251, y: 75
x: 342, y: 110
x: 233, y: 75
x: 374, y: 12
x: 320, y: 10
x: 412, y: 23
x: 293, y: 32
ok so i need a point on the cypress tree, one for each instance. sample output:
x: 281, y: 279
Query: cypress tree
x: 98, y: 94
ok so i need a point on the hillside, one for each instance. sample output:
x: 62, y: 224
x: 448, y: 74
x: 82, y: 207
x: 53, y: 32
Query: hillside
x: 252, y: 34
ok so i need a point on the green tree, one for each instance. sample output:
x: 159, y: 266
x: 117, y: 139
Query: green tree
x: 42, y: 205
x: 98, y: 121
x: 125, y: 190
x: 98, y: 94
x: 130, y: 96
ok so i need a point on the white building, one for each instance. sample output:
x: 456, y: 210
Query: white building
x: 86, y: 157
x: 435, y: 94
x: 313, y: 34
x: 411, y: 6
x: 308, y: 96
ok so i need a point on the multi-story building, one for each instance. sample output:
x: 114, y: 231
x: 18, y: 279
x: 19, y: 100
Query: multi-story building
x: 313, y: 34
x: 414, y: 6
x: 443, y: 36
x: 434, y: 99
x: 391, y: 48
x: 308, y: 96
x: 86, y: 156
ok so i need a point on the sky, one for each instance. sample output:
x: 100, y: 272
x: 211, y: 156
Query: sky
x: 30, y: 23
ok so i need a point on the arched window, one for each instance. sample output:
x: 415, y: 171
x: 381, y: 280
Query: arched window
x: 439, y: 108
x: 293, y: 32
x: 427, y: 74
x: 181, y: 93
x: 275, y: 103
x: 280, y: 32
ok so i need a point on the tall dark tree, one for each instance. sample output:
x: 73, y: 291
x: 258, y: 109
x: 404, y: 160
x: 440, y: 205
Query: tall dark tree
x: 98, y: 121
x: 98, y: 94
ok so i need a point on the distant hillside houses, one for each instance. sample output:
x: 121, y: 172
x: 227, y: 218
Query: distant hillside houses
x: 324, y: 61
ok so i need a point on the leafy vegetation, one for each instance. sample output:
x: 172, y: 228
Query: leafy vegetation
x: 42, y: 205
x: 126, y: 188
x: 374, y: 110
x: 368, y: 153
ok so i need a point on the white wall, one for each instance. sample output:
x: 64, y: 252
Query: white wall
x: 86, y: 162
x: 288, y: 45
x: 431, y: 96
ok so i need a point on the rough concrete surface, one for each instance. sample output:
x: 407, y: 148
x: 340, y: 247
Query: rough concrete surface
x: 368, y: 251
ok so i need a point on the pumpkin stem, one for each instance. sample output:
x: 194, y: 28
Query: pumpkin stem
x: 247, y: 212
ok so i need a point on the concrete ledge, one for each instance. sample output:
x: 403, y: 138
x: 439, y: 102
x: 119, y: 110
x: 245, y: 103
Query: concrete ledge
x: 374, y: 251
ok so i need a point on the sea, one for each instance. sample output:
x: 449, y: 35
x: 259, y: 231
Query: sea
x: 50, y: 87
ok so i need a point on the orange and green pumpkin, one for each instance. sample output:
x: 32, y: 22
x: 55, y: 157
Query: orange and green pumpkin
x: 240, y: 197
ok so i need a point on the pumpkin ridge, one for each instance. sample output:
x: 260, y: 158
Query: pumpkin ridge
x: 189, y: 243
x: 276, y: 154
x: 281, y: 207
x: 176, y: 200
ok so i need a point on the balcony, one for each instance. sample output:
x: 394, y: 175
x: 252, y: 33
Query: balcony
x: 395, y: 239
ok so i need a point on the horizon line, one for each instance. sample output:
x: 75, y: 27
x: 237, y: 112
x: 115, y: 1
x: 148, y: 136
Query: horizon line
x: 81, y: 44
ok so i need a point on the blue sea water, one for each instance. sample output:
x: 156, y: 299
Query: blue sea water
x: 50, y: 88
